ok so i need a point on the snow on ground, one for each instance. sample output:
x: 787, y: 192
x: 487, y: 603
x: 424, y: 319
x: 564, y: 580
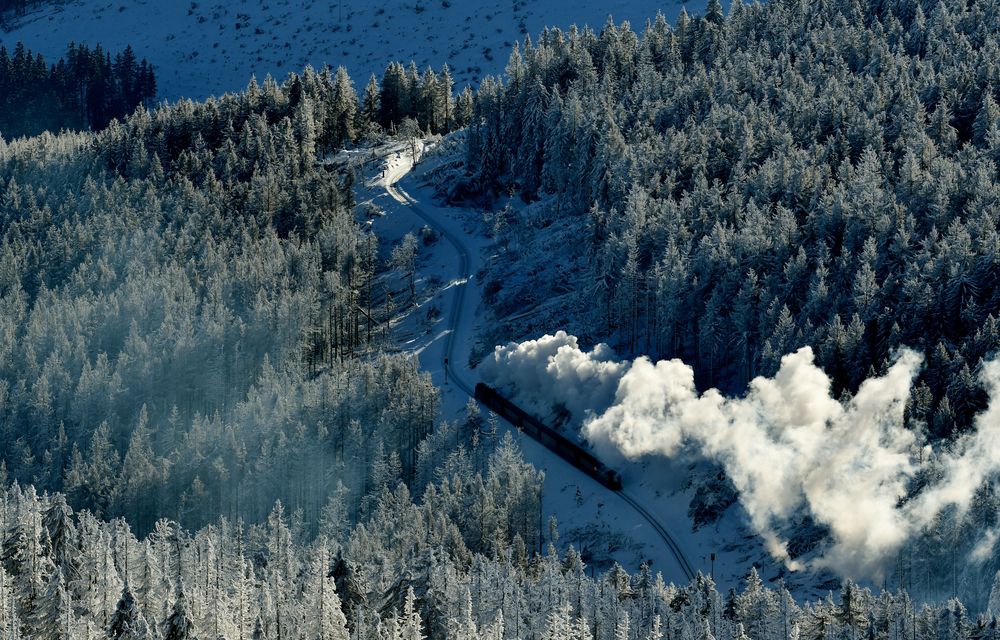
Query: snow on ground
x: 590, y: 517
x: 208, y: 47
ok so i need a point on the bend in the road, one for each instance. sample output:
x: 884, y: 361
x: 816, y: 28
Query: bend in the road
x: 398, y: 194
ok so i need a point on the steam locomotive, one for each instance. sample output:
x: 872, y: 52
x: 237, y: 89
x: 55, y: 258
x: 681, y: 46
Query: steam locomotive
x: 548, y: 437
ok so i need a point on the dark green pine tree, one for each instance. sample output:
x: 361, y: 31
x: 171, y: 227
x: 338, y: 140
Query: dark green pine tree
x: 393, y: 99
x: 179, y: 625
x: 371, y: 104
x: 128, y: 623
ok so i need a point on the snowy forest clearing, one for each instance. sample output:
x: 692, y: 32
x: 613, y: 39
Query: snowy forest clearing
x: 603, y: 525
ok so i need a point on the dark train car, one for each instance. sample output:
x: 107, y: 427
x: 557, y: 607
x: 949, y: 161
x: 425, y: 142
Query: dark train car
x: 548, y: 437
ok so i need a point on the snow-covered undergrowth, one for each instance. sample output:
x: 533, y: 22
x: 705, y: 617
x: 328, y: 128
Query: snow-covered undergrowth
x: 203, y: 48
x: 787, y: 445
x: 531, y: 240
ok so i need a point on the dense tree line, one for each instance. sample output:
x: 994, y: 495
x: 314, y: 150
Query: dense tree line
x: 731, y: 188
x: 405, y: 99
x: 411, y: 570
x: 85, y: 89
x: 424, y: 97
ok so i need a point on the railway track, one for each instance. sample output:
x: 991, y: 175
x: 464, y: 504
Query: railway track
x: 399, y: 195
x: 675, y: 549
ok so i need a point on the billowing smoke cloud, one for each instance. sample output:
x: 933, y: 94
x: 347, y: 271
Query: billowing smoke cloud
x: 557, y: 372
x: 787, y: 444
x: 974, y: 459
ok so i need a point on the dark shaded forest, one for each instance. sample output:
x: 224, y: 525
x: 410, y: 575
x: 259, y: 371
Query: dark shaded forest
x: 85, y: 89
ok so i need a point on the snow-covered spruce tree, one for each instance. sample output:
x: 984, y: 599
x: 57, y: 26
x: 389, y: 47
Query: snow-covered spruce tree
x: 404, y: 258
x: 326, y: 620
x: 52, y: 614
x: 411, y: 626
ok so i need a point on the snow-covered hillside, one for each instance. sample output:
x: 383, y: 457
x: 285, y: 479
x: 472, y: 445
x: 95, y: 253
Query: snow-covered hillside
x: 206, y: 47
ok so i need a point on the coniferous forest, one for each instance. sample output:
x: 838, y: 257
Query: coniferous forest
x: 791, y: 174
x: 84, y: 90
x: 207, y: 429
x: 734, y: 187
x: 190, y: 313
x: 406, y: 573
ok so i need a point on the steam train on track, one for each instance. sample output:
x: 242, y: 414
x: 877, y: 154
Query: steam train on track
x: 548, y: 437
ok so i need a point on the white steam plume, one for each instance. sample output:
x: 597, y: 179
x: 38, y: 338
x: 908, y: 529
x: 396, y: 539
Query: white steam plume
x: 786, y: 445
x: 556, y: 371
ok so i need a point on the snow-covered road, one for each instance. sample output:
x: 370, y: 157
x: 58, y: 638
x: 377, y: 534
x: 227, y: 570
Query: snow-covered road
x: 447, y: 358
x: 459, y: 284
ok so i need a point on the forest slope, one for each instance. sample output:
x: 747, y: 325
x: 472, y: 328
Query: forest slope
x: 735, y: 188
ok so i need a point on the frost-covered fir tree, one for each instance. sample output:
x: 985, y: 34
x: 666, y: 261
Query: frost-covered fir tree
x: 325, y: 620
x: 52, y: 614
x: 411, y: 625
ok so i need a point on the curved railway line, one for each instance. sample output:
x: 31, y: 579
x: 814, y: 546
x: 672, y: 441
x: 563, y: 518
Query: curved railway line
x: 675, y: 549
x: 559, y: 447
